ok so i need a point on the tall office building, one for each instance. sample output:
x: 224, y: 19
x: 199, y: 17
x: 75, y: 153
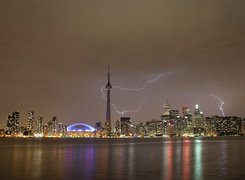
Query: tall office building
x: 30, y: 126
x: 98, y: 125
x: 54, y: 126
x: 117, y: 128
x: 187, y: 116
x: 13, y: 123
x: 45, y: 130
x: 52, y: 129
x: 16, y: 117
x: 62, y: 130
x: 49, y: 129
x: 185, y: 111
x: 9, y: 125
x: 166, y: 108
x: 108, y: 107
x: 198, y: 121
x: 39, y: 126
x: 174, y: 113
x: 125, y: 125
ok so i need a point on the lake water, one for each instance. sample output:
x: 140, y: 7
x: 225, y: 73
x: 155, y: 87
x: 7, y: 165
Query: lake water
x: 167, y: 158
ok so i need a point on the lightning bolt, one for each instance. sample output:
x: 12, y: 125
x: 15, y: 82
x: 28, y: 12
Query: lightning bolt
x: 129, y: 111
x: 121, y: 112
x: 143, y: 87
x: 221, y: 103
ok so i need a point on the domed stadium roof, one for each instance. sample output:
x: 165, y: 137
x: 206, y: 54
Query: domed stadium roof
x: 80, y: 127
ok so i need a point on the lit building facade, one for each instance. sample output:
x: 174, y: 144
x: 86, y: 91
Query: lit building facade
x: 54, y: 126
x: 38, y: 127
x: 166, y: 108
x: 78, y: 130
x: 126, y: 124
x: 117, y: 128
x: 13, y: 124
x: 62, y: 130
x: 30, y: 126
x: 198, y: 122
x: 227, y: 125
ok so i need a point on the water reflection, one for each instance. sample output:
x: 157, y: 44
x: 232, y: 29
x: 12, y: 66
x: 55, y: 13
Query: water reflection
x: 168, y: 160
x: 23, y: 161
x: 37, y: 162
x: 187, y: 158
x: 223, y: 159
x: 198, y: 159
x: 83, y: 158
x: 130, y: 160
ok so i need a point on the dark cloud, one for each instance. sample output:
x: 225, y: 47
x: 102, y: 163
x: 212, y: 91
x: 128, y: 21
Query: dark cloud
x: 54, y: 54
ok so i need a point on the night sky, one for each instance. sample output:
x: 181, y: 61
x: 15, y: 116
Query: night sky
x: 54, y: 56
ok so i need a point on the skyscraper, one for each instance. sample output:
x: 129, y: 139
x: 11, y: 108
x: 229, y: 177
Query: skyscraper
x: 108, y: 107
x: 198, y: 121
x: 166, y: 108
x: 39, y: 126
x: 30, y: 125
x: 54, y: 126
x: 13, y: 123
x: 125, y: 125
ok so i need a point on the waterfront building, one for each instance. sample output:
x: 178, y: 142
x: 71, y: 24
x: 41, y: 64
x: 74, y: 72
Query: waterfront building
x: 78, y: 130
x: 198, y: 122
x: 227, y: 125
x: 180, y: 126
x: 243, y: 127
x: 34, y: 128
x: 62, y: 130
x: 98, y: 126
x: 173, y: 114
x: 30, y: 126
x: 210, y: 129
x: 159, y: 128
x: 45, y: 130
x: 153, y: 128
x: 9, y: 125
x: 50, y: 129
x: 117, y: 128
x: 141, y: 130
x: 170, y: 120
x: 13, y: 124
x: 187, y: 116
x: 126, y: 124
x: 100, y: 130
x: 166, y: 108
x: 2, y: 133
x: 186, y: 111
x: 54, y: 126
x: 38, y: 128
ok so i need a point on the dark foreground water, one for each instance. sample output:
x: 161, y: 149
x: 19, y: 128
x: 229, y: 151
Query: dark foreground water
x: 169, y: 158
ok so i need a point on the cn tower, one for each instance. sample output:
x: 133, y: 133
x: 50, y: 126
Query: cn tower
x: 108, y: 108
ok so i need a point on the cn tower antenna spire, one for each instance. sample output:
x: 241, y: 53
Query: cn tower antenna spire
x: 109, y: 75
x: 109, y: 86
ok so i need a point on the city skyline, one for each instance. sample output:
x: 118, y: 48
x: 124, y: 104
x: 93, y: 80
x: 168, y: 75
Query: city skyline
x: 54, y: 58
x: 181, y: 112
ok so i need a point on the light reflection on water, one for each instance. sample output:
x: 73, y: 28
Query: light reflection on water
x: 198, y: 159
x: 173, y: 158
x: 186, y: 159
